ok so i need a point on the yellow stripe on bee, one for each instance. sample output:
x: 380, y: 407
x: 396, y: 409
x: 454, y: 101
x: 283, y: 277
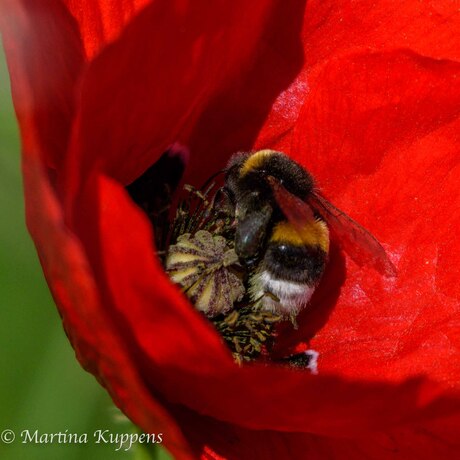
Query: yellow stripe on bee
x: 255, y: 161
x: 314, y: 233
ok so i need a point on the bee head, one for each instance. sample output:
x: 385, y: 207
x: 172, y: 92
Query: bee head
x: 250, y: 196
x: 251, y: 231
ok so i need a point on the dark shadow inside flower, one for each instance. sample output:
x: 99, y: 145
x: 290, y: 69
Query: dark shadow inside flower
x: 154, y: 190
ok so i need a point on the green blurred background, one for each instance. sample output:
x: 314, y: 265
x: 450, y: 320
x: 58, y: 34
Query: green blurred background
x: 42, y: 387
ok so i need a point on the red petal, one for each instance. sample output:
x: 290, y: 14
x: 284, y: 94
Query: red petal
x: 335, y: 28
x: 139, y: 97
x: 261, y: 103
x: 416, y: 441
x: 98, y: 347
x: 365, y: 104
x: 44, y: 57
x: 102, y: 21
x: 381, y: 132
x: 134, y: 286
x: 181, y: 357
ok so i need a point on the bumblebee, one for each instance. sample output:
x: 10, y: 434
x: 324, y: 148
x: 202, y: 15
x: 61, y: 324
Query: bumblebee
x: 283, y: 227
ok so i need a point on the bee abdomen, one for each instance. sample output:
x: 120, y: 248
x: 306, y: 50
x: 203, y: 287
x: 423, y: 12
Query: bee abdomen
x: 304, y: 264
x: 287, y: 277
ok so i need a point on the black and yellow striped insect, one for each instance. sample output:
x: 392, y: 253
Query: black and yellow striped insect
x: 283, y: 225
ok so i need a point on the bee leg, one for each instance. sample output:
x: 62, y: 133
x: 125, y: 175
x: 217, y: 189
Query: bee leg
x: 258, y: 303
x: 293, y: 319
x: 272, y: 296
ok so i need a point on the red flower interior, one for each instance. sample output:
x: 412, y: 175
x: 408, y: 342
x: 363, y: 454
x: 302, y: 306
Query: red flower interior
x: 367, y: 98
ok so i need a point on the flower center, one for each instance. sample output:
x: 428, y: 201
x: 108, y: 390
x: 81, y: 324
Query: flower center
x: 212, y: 249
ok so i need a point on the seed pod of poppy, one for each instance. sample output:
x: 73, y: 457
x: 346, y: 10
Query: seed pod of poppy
x: 200, y: 265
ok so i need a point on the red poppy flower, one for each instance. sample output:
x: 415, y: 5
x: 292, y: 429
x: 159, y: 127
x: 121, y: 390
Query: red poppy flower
x: 365, y: 95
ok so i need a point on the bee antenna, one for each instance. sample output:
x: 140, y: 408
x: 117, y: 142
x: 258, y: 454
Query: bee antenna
x: 211, y: 178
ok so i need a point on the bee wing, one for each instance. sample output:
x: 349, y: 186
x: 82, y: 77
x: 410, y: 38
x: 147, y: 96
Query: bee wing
x: 296, y: 210
x: 358, y: 243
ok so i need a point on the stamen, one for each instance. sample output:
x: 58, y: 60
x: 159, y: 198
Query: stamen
x: 201, y: 259
x: 247, y: 332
